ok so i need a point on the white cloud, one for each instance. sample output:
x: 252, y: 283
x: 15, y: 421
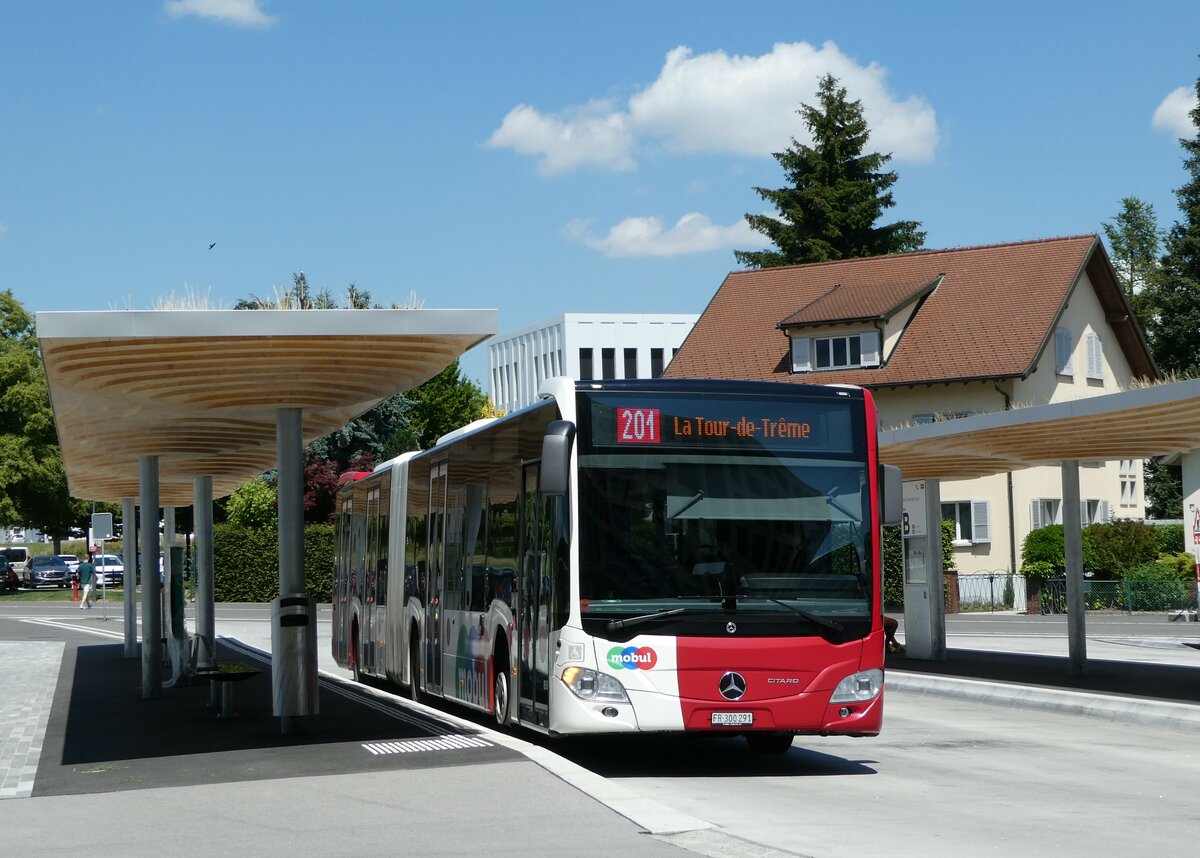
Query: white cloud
x: 241, y: 13
x: 592, y: 134
x: 719, y: 103
x: 1172, y: 114
x: 645, y: 236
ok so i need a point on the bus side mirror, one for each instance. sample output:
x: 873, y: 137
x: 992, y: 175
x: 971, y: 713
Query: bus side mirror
x: 556, y: 458
x: 891, y: 496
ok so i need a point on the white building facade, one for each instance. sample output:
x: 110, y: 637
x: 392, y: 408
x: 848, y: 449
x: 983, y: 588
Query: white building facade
x: 582, y: 346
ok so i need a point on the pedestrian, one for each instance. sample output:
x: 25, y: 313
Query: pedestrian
x: 889, y: 630
x: 87, y: 578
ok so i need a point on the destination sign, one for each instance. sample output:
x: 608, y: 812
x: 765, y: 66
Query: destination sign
x: 681, y: 421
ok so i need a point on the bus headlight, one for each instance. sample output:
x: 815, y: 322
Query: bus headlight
x: 858, y: 687
x: 590, y: 684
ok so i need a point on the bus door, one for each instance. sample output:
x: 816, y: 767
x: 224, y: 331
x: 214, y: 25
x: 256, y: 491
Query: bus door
x: 371, y: 584
x: 533, y: 613
x: 435, y: 581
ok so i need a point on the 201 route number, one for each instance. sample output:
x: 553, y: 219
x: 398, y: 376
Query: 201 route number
x: 638, y: 426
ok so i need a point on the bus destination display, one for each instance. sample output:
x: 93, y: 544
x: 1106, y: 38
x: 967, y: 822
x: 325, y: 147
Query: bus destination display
x: 718, y: 424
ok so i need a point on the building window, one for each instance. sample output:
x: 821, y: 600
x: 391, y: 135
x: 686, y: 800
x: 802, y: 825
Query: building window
x: 631, y: 363
x: 656, y: 363
x: 608, y: 363
x: 972, y: 521
x: 840, y: 352
x: 1095, y: 358
x: 1092, y: 511
x: 586, y: 371
x: 1063, y: 364
x: 1044, y: 511
x: 1129, y: 481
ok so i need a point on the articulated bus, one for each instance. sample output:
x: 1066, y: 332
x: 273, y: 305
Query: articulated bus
x: 631, y: 556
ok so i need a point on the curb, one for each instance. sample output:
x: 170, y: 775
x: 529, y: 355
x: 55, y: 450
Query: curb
x: 1109, y: 707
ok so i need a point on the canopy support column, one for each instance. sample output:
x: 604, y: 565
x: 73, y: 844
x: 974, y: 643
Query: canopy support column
x: 148, y: 565
x: 1073, y: 549
x: 293, y: 614
x: 129, y: 590
x: 202, y: 569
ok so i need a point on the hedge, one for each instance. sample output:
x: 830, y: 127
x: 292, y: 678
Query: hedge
x: 246, y: 563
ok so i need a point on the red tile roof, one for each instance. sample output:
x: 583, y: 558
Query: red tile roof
x: 991, y: 315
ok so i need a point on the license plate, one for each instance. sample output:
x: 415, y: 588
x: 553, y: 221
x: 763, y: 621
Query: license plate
x: 732, y: 719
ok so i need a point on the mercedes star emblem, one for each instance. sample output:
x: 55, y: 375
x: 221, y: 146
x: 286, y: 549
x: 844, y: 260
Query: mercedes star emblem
x: 732, y: 686
x: 731, y: 627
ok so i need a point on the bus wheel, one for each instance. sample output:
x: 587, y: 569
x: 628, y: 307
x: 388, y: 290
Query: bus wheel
x: 500, y: 703
x: 769, y: 743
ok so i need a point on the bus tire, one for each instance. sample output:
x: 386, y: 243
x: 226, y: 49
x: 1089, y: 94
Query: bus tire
x: 501, y: 696
x: 769, y: 742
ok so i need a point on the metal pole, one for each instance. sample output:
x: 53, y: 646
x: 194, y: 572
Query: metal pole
x: 202, y: 518
x: 290, y: 450
x: 129, y: 591
x: 288, y: 664
x: 151, y: 607
x: 1073, y: 548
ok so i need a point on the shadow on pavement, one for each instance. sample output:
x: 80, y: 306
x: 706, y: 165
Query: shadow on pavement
x: 1166, y: 682
x: 102, y: 735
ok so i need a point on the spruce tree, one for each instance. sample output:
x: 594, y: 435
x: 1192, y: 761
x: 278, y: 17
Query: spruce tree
x: 836, y: 193
x: 1174, y: 317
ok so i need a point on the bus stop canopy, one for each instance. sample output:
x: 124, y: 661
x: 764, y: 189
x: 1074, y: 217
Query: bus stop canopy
x: 200, y: 389
x: 1134, y: 424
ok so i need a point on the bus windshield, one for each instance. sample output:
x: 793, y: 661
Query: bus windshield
x: 692, y: 511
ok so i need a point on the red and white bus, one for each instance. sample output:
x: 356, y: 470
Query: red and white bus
x: 631, y: 556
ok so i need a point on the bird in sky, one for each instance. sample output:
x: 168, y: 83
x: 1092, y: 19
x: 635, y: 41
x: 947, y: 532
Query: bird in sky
x: 211, y: 246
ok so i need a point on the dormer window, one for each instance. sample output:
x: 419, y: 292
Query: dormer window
x: 841, y: 351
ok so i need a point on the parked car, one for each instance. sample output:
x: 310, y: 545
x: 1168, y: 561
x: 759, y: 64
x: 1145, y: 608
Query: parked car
x: 9, y: 579
x: 17, y: 556
x: 110, y: 570
x: 72, y: 562
x: 47, y: 569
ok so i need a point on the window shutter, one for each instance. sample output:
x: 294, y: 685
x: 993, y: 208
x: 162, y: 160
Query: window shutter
x: 981, y: 521
x: 1083, y: 514
x: 1104, y: 510
x: 1058, y: 513
x: 1095, y: 357
x: 1062, y: 352
x: 801, y: 354
x: 1035, y: 514
x: 869, y: 348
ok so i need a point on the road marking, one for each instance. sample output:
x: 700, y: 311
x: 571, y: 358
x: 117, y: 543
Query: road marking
x: 442, y: 743
x: 104, y: 633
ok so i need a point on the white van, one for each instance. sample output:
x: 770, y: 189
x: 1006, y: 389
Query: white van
x: 18, y: 557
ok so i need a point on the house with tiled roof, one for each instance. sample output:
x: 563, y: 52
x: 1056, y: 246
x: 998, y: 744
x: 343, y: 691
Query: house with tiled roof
x: 942, y: 334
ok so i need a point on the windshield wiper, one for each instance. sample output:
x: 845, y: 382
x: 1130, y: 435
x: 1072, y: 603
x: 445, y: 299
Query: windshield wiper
x: 615, y: 625
x: 699, y: 496
x: 824, y: 622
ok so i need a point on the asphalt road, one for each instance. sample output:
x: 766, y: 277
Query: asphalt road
x: 947, y: 777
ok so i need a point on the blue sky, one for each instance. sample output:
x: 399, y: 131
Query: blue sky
x: 543, y: 158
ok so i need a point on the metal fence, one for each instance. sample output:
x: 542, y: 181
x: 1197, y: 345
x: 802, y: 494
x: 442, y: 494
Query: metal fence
x: 1128, y: 596
x: 1001, y: 591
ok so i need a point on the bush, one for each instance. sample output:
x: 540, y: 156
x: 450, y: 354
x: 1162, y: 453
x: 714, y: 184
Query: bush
x: 893, y: 568
x: 1039, y: 569
x: 1181, y: 565
x: 1122, y: 543
x: 246, y: 563
x: 1170, y: 538
x: 1045, y: 545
